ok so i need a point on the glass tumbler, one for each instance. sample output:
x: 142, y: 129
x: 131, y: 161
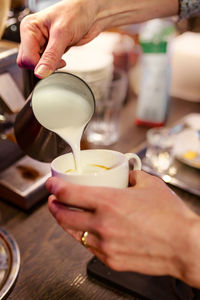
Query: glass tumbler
x: 103, y: 128
x: 159, y: 154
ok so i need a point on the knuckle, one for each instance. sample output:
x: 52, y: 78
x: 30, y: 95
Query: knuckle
x: 106, y: 203
x: 62, y: 191
x: 29, y: 20
x: 101, y: 229
x: 51, y: 54
x: 58, y: 30
x: 104, y: 229
x: 106, y: 248
x: 113, y: 264
x: 49, y: 57
x: 24, y: 22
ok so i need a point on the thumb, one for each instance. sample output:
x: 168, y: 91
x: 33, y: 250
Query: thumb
x: 51, y: 58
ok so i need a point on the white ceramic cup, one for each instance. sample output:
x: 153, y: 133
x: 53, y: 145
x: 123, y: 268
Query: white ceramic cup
x: 114, y: 173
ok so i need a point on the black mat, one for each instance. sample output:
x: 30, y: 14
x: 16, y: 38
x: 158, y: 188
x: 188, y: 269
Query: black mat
x: 143, y: 286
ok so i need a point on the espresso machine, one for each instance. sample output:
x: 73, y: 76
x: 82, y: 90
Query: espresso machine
x: 22, y: 179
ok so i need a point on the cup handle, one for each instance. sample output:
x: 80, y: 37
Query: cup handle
x: 137, y: 160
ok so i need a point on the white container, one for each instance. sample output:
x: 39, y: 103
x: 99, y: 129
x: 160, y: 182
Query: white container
x: 185, y: 62
x: 155, y: 78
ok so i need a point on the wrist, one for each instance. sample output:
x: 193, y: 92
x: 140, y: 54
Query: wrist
x: 188, y: 8
x: 187, y: 249
x: 192, y: 258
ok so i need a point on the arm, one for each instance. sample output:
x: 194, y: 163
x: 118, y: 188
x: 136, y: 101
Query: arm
x: 145, y: 228
x: 189, y: 8
x: 46, y: 35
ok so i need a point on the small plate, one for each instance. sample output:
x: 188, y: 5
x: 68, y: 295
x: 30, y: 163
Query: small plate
x: 187, y: 148
x: 192, y: 163
x: 9, y: 263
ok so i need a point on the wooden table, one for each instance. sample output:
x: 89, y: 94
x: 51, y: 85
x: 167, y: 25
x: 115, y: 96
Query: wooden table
x: 53, y: 265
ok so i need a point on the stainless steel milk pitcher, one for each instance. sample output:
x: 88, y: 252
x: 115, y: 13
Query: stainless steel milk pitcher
x: 35, y: 140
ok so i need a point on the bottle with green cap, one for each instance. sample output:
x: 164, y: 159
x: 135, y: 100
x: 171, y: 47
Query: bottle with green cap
x: 153, y: 98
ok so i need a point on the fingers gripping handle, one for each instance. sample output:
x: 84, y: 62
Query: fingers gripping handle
x: 137, y: 160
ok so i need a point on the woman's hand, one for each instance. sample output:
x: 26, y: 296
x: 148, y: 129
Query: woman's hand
x: 46, y: 35
x: 144, y: 228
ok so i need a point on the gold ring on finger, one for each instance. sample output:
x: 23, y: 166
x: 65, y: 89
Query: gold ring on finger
x: 83, y: 239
